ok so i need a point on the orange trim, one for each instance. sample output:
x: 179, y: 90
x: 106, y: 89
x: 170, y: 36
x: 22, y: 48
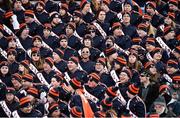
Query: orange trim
x: 75, y: 112
x: 33, y: 90
x: 148, y: 64
x: 137, y: 89
x: 109, y: 105
x: 111, y: 92
x: 8, y: 14
x: 176, y: 78
x: 172, y: 62
x: 76, y: 82
x: 95, y: 76
x: 25, y: 101
x: 54, y: 105
x: 53, y: 92
x: 132, y: 90
x: 163, y: 87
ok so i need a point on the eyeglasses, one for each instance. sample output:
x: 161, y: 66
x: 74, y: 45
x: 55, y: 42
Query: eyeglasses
x: 85, y: 51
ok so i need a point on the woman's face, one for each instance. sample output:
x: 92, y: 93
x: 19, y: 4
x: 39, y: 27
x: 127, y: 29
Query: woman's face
x: 153, y: 70
x: 127, y: 8
x: 157, y: 56
x: 21, y: 68
x: 4, y: 70
x: 126, y: 18
x: 87, y: 7
x: 167, y: 21
x: 35, y: 57
x: 123, y: 77
x: 132, y: 59
x: 85, y: 53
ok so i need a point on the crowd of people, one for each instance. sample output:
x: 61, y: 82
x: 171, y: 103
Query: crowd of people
x: 89, y: 58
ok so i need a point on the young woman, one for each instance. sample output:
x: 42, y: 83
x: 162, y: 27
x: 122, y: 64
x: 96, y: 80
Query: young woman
x: 4, y: 73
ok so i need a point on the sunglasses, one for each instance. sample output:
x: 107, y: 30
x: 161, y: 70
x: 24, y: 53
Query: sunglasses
x: 92, y: 31
x: 85, y: 51
x: 36, y: 55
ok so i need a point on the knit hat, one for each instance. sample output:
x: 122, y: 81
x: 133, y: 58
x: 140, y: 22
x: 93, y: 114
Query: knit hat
x: 171, y: 15
x: 112, y: 91
x: 116, y: 25
x: 53, y: 107
x: 176, y: 78
x: 54, y: 93
x: 146, y: 17
x: 121, y: 61
x: 174, y: 2
x: 76, y: 111
x: 128, y: 72
x: 107, y: 2
x: 24, y: 102
x: 58, y: 77
x: 47, y: 26
x: 54, y: 15
x: 133, y: 89
x: 29, y: 13
x: 37, y: 37
x: 143, y: 26
x: 41, y: 4
x: 74, y: 59
x: 136, y: 40
x: 22, y: 26
x: 75, y: 83
x: 63, y: 36
x: 64, y: 6
x: 106, y: 103
x: 151, y: 41
x: 50, y: 61
x: 25, y: 63
x: 27, y: 77
x: 10, y: 38
x: 8, y: 14
x: 110, y: 51
x: 11, y: 51
x: 33, y: 91
x: 35, y: 50
x: 83, y: 3
x: 151, y: 4
x: 155, y: 50
x: 177, y: 49
x: 87, y: 36
x: 148, y: 64
x: 17, y: 77
x: 4, y: 63
x: 144, y: 73
x: 163, y: 87
x: 59, y: 52
x: 10, y: 90
x: 77, y: 13
x: 160, y: 100
x: 172, y: 63
x: 102, y: 61
x: 95, y: 77
x: 72, y: 25
x: 168, y: 29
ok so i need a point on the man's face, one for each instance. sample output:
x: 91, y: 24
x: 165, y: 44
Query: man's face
x: 99, y: 67
x: 173, y: 7
x: 71, y: 65
x: 39, y: 8
x: 159, y: 108
x: 170, y: 70
x: 69, y: 30
x: 127, y: 8
x: 46, y: 66
x: 123, y: 77
x: 17, y: 5
x: 76, y: 19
